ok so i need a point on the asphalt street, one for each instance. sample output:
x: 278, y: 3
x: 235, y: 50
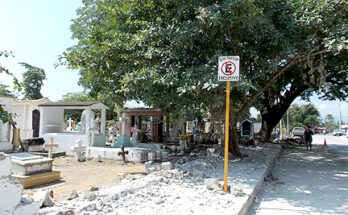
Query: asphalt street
x: 308, y: 182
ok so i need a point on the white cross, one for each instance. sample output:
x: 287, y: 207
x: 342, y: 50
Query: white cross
x: 78, y: 149
x: 50, y: 146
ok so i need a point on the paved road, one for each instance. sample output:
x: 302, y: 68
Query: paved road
x: 314, y: 182
x: 339, y: 144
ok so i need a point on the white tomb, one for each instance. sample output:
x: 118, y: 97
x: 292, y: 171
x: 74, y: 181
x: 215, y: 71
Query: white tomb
x: 52, y: 119
x: 28, y: 116
x: 28, y: 164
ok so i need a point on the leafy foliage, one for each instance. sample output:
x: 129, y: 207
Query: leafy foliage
x: 329, y: 123
x: 75, y: 96
x: 164, y: 52
x: 32, y: 81
x: 6, y: 116
x: 4, y: 91
x: 16, y: 83
x: 303, y: 116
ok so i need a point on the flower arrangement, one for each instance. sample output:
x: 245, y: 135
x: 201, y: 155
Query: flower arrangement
x: 184, y: 137
x: 6, y: 116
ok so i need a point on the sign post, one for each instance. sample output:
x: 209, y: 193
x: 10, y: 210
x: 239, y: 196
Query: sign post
x: 228, y: 70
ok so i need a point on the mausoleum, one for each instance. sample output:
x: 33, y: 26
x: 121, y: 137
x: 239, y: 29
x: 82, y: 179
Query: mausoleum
x: 90, y: 132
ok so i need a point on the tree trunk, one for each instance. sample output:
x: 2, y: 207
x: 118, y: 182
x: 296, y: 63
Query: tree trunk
x: 233, y: 144
x: 269, y: 121
x: 275, y: 112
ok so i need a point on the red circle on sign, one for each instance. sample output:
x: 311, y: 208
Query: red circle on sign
x: 226, y: 68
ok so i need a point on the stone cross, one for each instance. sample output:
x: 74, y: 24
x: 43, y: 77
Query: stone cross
x: 50, y: 146
x: 123, y: 153
x: 79, y: 150
x: 124, y: 121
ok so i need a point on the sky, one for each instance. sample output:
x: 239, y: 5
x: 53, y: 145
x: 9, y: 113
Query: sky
x: 38, y: 31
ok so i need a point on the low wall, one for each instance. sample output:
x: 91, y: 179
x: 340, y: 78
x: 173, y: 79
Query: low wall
x: 66, y: 140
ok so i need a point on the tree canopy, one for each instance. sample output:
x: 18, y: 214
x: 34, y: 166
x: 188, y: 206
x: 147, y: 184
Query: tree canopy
x: 165, y: 52
x: 75, y: 96
x: 32, y: 81
x: 303, y: 116
x: 4, y: 91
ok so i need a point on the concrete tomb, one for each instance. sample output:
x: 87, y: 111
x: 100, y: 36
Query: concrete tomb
x: 32, y: 170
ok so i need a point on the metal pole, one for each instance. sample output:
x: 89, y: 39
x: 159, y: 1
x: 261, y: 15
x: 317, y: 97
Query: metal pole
x: 227, y: 122
x: 287, y: 123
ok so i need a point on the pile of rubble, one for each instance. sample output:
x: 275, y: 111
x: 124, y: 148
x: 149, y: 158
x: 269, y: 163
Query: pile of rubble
x: 185, y: 184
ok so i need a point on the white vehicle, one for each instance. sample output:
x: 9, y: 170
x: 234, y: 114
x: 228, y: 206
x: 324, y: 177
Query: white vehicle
x: 337, y: 133
x: 298, y: 131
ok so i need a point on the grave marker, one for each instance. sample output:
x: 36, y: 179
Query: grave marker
x: 50, y: 146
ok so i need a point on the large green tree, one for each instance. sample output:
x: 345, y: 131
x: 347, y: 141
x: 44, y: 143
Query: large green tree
x: 329, y: 123
x: 32, y: 82
x: 165, y: 52
x: 303, y: 116
x: 329, y: 82
x: 75, y: 96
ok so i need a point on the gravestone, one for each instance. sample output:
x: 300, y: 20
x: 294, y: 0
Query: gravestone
x: 50, y: 146
x: 32, y: 170
x: 123, y: 153
x: 79, y: 150
x: 123, y: 139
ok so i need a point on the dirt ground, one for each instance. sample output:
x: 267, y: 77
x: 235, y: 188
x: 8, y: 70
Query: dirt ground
x: 80, y: 176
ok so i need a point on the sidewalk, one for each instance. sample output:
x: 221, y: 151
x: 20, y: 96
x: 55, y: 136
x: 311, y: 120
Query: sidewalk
x: 307, y: 182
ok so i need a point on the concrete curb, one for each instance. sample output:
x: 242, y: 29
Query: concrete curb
x: 248, y: 204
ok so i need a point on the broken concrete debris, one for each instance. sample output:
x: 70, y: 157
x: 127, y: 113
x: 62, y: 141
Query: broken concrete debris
x: 11, y: 200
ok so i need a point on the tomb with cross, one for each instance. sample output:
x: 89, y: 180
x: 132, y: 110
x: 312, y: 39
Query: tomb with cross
x: 50, y: 147
x: 123, y: 139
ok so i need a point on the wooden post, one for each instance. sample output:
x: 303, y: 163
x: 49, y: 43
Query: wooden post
x: 227, y: 122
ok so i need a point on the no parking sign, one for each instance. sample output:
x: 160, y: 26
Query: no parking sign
x: 228, y: 69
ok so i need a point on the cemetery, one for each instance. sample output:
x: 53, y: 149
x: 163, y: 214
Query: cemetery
x: 172, y: 107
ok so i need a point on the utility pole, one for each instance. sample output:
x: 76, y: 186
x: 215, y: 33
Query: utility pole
x: 340, y: 119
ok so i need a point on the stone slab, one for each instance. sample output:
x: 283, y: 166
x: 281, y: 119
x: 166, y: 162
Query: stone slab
x: 24, y: 156
x: 25, y: 164
x: 138, y: 155
x: 38, y: 179
x: 54, y: 154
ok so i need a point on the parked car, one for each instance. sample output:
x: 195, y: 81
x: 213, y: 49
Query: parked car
x: 337, y: 133
x: 298, y: 131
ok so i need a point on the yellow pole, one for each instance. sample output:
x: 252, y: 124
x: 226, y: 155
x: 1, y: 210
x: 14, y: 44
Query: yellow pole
x: 227, y: 122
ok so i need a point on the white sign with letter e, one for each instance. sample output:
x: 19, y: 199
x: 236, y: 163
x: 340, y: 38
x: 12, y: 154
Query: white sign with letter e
x: 228, y: 69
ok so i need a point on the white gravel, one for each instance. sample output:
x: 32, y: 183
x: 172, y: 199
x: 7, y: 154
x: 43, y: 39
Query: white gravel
x: 192, y: 187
